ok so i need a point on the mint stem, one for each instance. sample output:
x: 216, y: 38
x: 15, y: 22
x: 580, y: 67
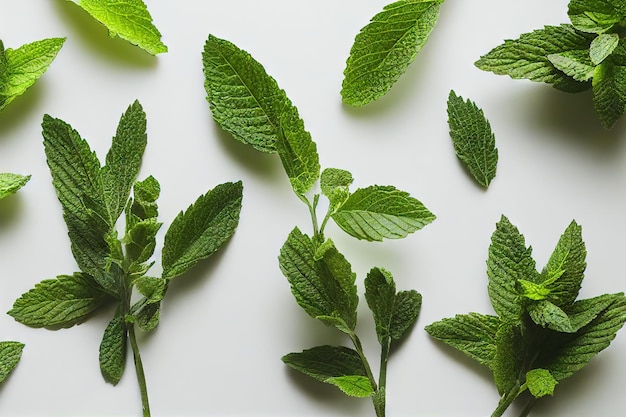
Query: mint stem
x: 506, y: 401
x: 141, y: 377
x: 379, y: 397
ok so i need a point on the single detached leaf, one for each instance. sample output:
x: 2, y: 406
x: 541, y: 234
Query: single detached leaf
x: 577, y: 64
x: 595, y: 16
x: 473, y: 334
x: 64, y: 301
x: 335, y: 184
x: 23, y: 66
x: 10, y: 183
x: 113, y: 350
x: 128, y: 19
x: 527, y: 57
x: 384, y: 48
x: 540, y: 382
x: 609, y: 92
x: 202, y: 229
x: 473, y: 140
x: 244, y: 100
x: 602, y: 46
x: 337, y: 365
x: 10, y: 355
x: 379, y: 212
x: 298, y: 153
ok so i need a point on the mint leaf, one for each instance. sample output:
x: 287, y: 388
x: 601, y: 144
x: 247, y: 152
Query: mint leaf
x: 602, y: 46
x: 335, y: 184
x: 244, y: 100
x: 550, y: 316
x: 384, y: 48
x: 577, y: 64
x: 540, y: 382
x: 509, y: 358
x: 527, y: 57
x: 379, y: 212
x: 595, y: 16
x: 298, y: 153
x: 128, y: 19
x: 10, y: 183
x: 582, y: 312
x: 21, y: 67
x: 10, y: 355
x: 353, y: 385
x: 113, y: 350
x: 61, y: 302
x: 151, y: 288
x: 473, y: 140
x: 609, y: 92
x: 202, y: 229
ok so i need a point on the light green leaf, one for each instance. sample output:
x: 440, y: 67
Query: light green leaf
x: 379, y: 212
x: 384, y: 48
x: 540, y: 382
x: 473, y: 140
x: 10, y: 183
x: 152, y: 288
x: 61, y: 302
x: 595, y: 16
x: 143, y: 206
x: 527, y: 57
x: 298, y: 153
x: 202, y: 229
x: 609, y: 92
x: 128, y: 19
x: 244, y: 100
x: 353, y: 385
x: 113, y: 350
x: 577, y: 64
x: 21, y: 67
x: 335, y: 184
x: 140, y: 242
x: 10, y: 355
x: 473, y: 334
x: 602, y: 46
x: 509, y: 261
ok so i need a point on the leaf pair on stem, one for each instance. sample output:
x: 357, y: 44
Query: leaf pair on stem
x: 113, y: 270
x: 248, y: 103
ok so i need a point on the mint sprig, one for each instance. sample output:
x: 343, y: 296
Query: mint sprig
x: 248, y: 103
x: 21, y: 67
x: 385, y: 47
x: 588, y: 53
x: 541, y: 334
x: 113, y: 270
x: 10, y: 183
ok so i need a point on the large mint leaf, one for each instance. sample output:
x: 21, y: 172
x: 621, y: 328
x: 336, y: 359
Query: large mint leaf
x: 473, y: 334
x: 244, y: 100
x: 10, y: 183
x: 473, y: 140
x: 23, y: 66
x: 61, y: 302
x: 379, y: 212
x: 509, y: 261
x: 527, y: 57
x: 322, y: 281
x: 596, y: 16
x: 128, y: 19
x: 609, y: 92
x: 384, y: 48
x: 10, y: 354
x: 202, y: 229
x: 337, y: 365
x: 113, y: 350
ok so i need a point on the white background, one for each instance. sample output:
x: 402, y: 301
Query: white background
x: 226, y: 324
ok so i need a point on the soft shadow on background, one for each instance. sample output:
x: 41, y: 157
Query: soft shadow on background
x: 20, y: 108
x: 10, y: 210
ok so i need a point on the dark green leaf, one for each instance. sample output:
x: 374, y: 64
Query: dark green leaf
x: 508, y: 361
x: 113, y: 350
x: 380, y: 294
x: 10, y: 354
x: 550, y: 316
x: 596, y: 16
x: 609, y: 92
x: 407, y: 307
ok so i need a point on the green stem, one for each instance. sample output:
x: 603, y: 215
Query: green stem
x: 368, y: 370
x: 507, y: 400
x: 141, y: 377
x: 380, y: 397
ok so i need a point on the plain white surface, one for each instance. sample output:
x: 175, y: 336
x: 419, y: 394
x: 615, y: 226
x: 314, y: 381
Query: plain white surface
x: 225, y: 326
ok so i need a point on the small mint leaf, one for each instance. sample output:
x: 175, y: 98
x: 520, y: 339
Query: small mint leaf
x: 113, y: 350
x: 602, y: 46
x: 540, y: 382
x: 353, y: 385
x: 10, y: 355
x: 335, y: 184
x: 577, y: 64
x: 550, y: 316
x: 406, y: 309
x: 10, y: 183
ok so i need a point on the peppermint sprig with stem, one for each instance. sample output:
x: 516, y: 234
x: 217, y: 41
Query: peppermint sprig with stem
x: 248, y: 103
x: 113, y: 271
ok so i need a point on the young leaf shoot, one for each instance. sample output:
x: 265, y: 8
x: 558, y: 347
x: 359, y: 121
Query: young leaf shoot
x: 10, y: 183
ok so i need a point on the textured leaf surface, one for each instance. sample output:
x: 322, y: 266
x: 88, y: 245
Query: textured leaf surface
x: 64, y: 301
x: 609, y: 92
x: 10, y: 355
x: 602, y: 46
x: 10, y: 183
x: 23, y: 66
x: 577, y: 64
x: 379, y: 212
x: 380, y: 294
x: 335, y: 184
x: 406, y: 309
x: 202, y: 229
x: 595, y: 16
x: 113, y: 350
x: 384, y: 48
x: 353, y: 385
x: 540, y: 382
x: 508, y: 362
x: 128, y: 19
x: 473, y: 140
x: 244, y: 100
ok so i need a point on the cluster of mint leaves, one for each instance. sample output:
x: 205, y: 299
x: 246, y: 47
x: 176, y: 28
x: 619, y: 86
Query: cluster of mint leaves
x: 113, y: 269
x: 589, y: 53
x: 248, y: 103
x: 541, y: 334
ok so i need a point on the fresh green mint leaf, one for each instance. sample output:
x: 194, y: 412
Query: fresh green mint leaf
x: 406, y: 308
x: 21, y: 67
x: 596, y: 16
x: 113, y: 350
x: 152, y: 288
x: 540, y: 382
x: 61, y: 302
x: 576, y: 64
x: 473, y: 140
x: 143, y: 206
x: 335, y: 184
x: 378, y: 212
x: 385, y: 47
x: 602, y: 46
x: 298, y: 153
x: 202, y: 229
x: 609, y: 92
x: 527, y: 57
x: 509, y: 357
x: 128, y: 19
x: 10, y: 355
x: 148, y: 315
x: 550, y: 316
x: 353, y: 385
x: 582, y: 312
x: 10, y: 183
x: 244, y: 100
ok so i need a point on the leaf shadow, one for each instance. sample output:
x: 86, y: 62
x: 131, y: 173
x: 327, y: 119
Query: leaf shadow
x: 464, y: 361
x: 94, y: 37
x: 20, y: 108
x: 10, y: 210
